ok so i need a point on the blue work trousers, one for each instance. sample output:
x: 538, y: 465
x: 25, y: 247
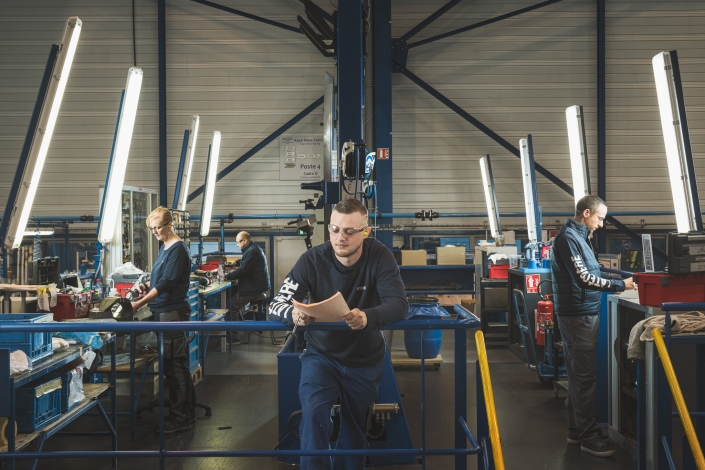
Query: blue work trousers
x: 323, y: 381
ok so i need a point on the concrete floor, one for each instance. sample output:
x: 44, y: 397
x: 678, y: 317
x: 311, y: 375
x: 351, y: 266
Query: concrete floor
x: 242, y: 389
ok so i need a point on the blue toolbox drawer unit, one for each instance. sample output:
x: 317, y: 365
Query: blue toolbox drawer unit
x: 194, y: 345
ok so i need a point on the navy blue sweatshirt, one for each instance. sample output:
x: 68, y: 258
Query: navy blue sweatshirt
x: 253, y: 273
x: 577, y: 280
x: 170, y: 276
x: 373, y: 285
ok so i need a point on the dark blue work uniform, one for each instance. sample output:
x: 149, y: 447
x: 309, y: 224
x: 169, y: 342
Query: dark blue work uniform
x: 170, y: 277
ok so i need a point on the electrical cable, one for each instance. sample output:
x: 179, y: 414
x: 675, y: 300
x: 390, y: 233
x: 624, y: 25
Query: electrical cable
x: 134, y: 41
x: 290, y: 426
x: 37, y: 246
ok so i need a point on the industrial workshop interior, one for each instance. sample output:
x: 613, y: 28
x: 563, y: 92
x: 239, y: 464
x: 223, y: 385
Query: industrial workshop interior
x: 349, y: 234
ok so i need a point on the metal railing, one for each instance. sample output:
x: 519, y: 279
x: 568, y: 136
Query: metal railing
x: 463, y: 435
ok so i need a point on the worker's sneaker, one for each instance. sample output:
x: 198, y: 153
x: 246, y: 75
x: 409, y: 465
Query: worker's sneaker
x: 599, y: 449
x: 574, y: 441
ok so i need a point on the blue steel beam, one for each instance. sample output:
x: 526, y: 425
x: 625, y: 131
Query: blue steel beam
x: 350, y: 71
x: 248, y: 16
x: 180, y: 173
x: 418, y: 28
x: 688, y: 150
x: 161, y: 52
x: 382, y: 17
x: 483, y: 23
x: 489, y: 132
x: 260, y: 146
x: 110, y: 163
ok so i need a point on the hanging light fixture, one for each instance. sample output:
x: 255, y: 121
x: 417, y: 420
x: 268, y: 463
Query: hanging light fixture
x: 578, y: 152
x: 211, y: 173
x: 43, y: 133
x: 118, y: 165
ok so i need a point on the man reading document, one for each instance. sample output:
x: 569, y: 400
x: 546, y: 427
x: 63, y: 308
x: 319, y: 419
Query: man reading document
x: 342, y: 364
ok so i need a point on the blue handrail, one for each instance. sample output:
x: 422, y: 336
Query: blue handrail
x: 467, y: 321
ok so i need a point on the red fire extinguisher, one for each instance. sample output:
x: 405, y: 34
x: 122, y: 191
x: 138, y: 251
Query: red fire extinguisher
x: 544, y: 314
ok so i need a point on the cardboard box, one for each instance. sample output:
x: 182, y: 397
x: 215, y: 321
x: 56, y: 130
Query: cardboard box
x: 450, y: 255
x: 469, y: 304
x: 413, y: 257
x: 609, y: 261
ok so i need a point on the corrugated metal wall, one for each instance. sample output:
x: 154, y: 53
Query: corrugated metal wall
x: 80, y: 149
x: 517, y: 77
x: 246, y: 79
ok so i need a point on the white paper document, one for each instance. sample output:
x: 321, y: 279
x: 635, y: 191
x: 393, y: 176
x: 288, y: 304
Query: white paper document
x: 329, y: 310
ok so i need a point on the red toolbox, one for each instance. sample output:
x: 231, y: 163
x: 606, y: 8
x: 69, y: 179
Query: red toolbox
x: 69, y: 306
x: 657, y: 288
x: 499, y: 271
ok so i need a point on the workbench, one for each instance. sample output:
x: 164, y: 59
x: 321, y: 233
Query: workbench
x: 10, y: 383
x: 7, y: 289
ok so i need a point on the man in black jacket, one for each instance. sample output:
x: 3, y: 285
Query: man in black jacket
x: 343, y: 364
x: 252, y: 276
x: 577, y: 282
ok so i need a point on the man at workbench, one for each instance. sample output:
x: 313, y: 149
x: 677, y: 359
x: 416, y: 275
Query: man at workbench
x: 252, y: 277
x: 342, y: 364
x: 577, y: 282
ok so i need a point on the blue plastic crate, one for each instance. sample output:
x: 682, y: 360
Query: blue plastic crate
x: 193, y: 359
x: 65, y: 384
x: 34, y: 345
x: 38, y: 405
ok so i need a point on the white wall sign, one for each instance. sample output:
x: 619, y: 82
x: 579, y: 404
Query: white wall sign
x: 301, y: 158
x: 648, y: 252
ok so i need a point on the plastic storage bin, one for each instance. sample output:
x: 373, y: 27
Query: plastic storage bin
x: 499, y: 271
x: 657, y: 288
x: 34, y: 345
x: 38, y: 405
x: 424, y: 309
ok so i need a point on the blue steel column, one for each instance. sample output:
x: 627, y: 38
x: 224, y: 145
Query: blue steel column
x: 382, y: 17
x: 161, y: 20
x: 350, y: 71
x: 601, y: 119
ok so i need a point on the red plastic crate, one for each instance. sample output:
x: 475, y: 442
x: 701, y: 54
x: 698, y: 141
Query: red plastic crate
x: 657, y: 288
x: 500, y: 271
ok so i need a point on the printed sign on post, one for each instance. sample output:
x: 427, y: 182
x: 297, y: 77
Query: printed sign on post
x: 301, y: 158
x: 532, y: 283
x: 382, y: 154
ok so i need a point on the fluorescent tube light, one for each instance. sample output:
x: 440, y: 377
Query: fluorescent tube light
x: 578, y: 152
x: 190, y: 151
x: 490, y: 196
x: 123, y: 139
x: 210, y: 184
x: 674, y: 138
x: 42, y: 136
x: 527, y: 179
